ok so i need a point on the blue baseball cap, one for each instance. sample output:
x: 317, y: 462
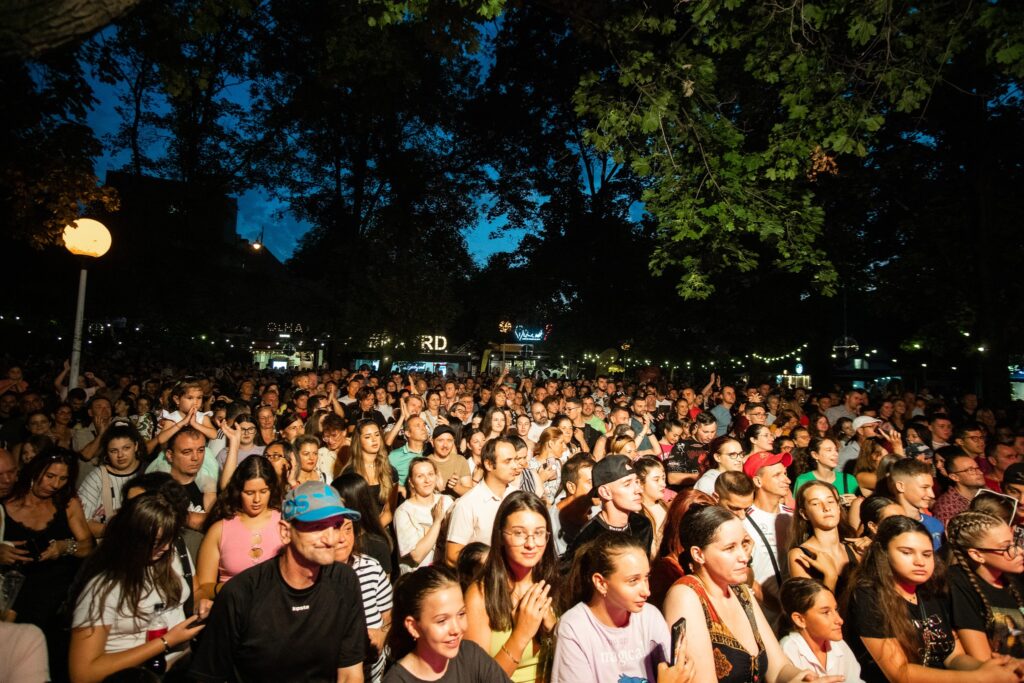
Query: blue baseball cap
x: 314, y: 501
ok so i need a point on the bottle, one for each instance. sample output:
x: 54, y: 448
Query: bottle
x: 157, y: 629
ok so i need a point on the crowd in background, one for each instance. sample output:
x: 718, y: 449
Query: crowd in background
x: 237, y: 525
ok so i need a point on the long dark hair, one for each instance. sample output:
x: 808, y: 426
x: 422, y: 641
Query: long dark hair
x: 495, y: 578
x: 802, y: 528
x: 357, y: 495
x: 123, y: 562
x: 410, y: 592
x: 229, y: 500
x: 698, y: 529
x: 36, y: 467
x: 597, y: 556
x: 874, y: 575
x: 797, y: 595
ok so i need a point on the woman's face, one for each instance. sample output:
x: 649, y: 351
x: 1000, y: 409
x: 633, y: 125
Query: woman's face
x: 565, y: 426
x: 885, y: 410
x: 785, y: 445
x: 523, y: 425
x: 821, y: 508
x: 847, y: 429
x: 433, y: 403
x: 380, y: 396
x: 346, y: 542
x: 821, y: 424
x: 682, y: 408
x: 654, y: 485
x: 369, y: 439
x: 308, y: 457
x: 763, y: 441
x: 912, y: 436
x: 63, y: 416
x: 52, y: 480
x: 255, y: 496
x: 122, y: 454
x: 899, y: 407
x: 292, y: 431
x: 911, y: 557
x: 500, y: 400
x: 497, y: 422
x: 278, y: 460
x: 999, y: 538
x: 627, y: 587
x: 121, y: 408
x: 476, y: 443
x: 265, y: 418
x: 822, y: 621
x: 142, y: 406
x: 726, y: 557
x: 441, y: 623
x: 773, y: 404
x: 730, y: 457
x: 38, y: 425
x: 827, y: 454
x: 802, y: 438
x: 525, y: 537
x: 424, y: 479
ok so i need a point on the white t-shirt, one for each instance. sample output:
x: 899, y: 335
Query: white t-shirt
x: 840, y: 660
x: 473, y: 515
x: 775, y: 529
x: 126, y: 631
x: 587, y: 651
x: 176, y: 416
x: 706, y: 483
x: 91, y: 493
x: 536, y: 430
x: 412, y: 521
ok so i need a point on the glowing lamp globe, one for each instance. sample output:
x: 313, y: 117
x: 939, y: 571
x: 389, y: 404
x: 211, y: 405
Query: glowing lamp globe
x: 87, y: 237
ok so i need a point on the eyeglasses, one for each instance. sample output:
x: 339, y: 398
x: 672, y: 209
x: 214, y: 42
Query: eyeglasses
x: 517, y: 537
x: 248, y: 430
x: 969, y: 469
x: 1009, y: 552
x: 735, y: 455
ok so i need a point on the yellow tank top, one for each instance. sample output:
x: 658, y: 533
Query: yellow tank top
x: 526, y: 672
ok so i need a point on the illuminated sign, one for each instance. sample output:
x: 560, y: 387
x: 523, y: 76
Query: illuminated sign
x: 799, y: 369
x: 296, y: 328
x: 532, y: 334
x: 433, y: 343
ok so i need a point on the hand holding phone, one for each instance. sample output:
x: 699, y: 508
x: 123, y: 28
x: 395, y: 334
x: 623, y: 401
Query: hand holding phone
x: 678, y: 633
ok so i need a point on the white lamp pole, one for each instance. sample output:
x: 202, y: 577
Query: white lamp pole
x: 84, y: 237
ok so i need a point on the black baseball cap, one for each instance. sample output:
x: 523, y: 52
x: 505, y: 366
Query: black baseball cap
x: 611, y: 469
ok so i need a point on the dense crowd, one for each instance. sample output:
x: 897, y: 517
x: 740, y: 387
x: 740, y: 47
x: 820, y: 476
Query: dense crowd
x: 239, y: 525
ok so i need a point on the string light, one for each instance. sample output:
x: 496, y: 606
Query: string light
x: 795, y: 354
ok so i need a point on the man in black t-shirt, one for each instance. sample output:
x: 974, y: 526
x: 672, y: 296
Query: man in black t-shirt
x: 621, y: 505
x: 296, y: 617
x: 688, y: 459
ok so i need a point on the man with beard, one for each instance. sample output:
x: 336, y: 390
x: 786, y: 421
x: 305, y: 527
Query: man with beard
x: 688, y: 459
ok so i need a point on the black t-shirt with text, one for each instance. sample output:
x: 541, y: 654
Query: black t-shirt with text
x: 932, y: 626
x: 967, y: 611
x: 638, y: 527
x: 262, y: 629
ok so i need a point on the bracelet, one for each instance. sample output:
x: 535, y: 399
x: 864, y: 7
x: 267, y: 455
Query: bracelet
x: 70, y: 546
x: 509, y: 655
x: 167, y: 646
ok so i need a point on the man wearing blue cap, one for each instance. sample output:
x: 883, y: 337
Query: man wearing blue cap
x: 296, y: 617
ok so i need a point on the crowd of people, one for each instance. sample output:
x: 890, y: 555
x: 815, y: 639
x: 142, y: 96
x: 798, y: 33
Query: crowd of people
x: 244, y: 525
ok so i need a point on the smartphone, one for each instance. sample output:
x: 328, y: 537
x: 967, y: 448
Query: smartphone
x: 678, y: 633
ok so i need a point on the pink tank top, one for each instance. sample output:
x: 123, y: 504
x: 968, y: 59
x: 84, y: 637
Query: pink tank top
x: 241, y: 547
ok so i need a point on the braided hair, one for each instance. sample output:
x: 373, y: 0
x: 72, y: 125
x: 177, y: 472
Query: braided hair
x: 965, y: 531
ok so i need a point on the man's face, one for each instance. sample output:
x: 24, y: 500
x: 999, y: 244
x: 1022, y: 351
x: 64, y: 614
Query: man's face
x: 705, y: 434
x: 333, y: 439
x: 625, y: 494
x: 101, y: 410
x: 8, y: 402
x: 416, y: 429
x: 314, y: 542
x: 729, y: 395
x: 540, y: 415
x: 966, y: 472
x: 918, y: 491
x: 970, y: 402
x: 31, y: 402
x: 758, y: 415
x: 973, y: 442
x: 414, y: 404
x: 588, y: 407
x: 506, y: 467
x: 444, y: 444
x: 690, y: 395
x: 639, y: 407
x: 773, y: 479
x: 1003, y: 457
x: 247, y: 434
x: 737, y: 504
x: 353, y: 387
x: 942, y: 429
x: 8, y: 472
x: 824, y: 403
x: 584, y: 481
x: 186, y: 457
x: 366, y: 403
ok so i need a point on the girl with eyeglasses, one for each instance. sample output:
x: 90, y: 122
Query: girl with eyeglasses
x: 509, y: 607
x: 242, y: 528
x: 897, y: 623
x: 726, y: 456
x: 986, y: 597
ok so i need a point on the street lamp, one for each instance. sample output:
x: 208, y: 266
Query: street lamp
x: 505, y: 326
x: 84, y: 237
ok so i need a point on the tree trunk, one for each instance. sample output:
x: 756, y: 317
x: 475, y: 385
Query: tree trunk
x: 30, y: 28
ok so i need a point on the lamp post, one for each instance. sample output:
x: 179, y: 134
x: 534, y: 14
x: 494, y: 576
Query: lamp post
x: 84, y: 237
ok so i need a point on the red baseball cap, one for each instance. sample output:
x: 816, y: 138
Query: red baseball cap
x: 756, y: 461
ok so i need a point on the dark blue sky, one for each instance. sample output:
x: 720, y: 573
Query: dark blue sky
x: 257, y: 211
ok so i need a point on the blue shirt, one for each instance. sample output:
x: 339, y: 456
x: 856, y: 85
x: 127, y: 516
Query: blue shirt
x: 935, y: 527
x: 723, y: 417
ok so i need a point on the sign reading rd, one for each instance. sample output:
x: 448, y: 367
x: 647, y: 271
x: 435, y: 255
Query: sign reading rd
x: 433, y: 343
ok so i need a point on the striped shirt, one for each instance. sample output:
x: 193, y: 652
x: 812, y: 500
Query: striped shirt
x: 376, y: 590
